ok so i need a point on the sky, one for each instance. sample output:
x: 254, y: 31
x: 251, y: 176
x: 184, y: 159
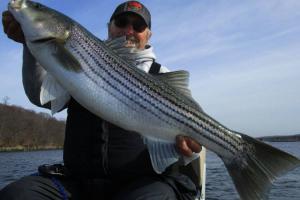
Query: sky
x: 242, y: 56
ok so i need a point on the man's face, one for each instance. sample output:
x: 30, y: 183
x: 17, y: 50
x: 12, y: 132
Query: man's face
x: 133, y: 27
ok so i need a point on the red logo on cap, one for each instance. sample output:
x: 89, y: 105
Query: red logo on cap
x: 134, y: 6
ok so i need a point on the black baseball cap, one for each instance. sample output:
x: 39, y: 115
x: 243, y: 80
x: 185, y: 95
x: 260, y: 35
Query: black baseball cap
x: 133, y: 7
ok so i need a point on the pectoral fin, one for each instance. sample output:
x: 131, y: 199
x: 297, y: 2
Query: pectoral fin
x: 64, y: 57
x: 51, y: 91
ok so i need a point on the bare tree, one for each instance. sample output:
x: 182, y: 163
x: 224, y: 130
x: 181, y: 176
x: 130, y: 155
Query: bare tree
x: 5, y: 100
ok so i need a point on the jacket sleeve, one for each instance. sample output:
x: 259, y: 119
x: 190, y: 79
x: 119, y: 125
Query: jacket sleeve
x: 32, y: 75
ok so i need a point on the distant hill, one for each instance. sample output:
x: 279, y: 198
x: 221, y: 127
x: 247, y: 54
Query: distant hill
x: 22, y: 129
x: 283, y: 138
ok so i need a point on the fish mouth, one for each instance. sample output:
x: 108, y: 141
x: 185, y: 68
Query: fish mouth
x: 16, y: 4
x: 43, y: 40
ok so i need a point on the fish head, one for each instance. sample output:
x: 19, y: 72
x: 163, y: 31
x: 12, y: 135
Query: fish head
x: 40, y: 23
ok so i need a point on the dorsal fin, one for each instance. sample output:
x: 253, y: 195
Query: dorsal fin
x: 117, y: 45
x: 179, y: 80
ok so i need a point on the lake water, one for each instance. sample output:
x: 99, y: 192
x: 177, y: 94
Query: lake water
x: 219, y: 186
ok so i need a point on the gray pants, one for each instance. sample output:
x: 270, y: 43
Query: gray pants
x: 42, y: 188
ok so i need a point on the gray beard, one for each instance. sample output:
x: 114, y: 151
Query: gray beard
x: 131, y: 42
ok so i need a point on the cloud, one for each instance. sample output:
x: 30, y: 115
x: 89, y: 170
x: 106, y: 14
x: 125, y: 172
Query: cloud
x: 256, y: 95
x: 242, y: 58
x: 210, y: 27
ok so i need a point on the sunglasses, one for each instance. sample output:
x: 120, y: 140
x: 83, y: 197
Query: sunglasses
x: 138, y: 25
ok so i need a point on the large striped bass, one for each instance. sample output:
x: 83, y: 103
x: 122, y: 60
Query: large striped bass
x: 102, y: 78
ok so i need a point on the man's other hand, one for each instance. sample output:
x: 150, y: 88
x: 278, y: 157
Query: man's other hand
x: 186, y: 145
x: 12, y: 28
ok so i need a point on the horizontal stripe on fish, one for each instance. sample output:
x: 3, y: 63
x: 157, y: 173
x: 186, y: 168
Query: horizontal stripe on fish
x: 209, y: 127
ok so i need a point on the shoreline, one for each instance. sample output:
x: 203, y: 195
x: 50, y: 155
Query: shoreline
x: 25, y: 149
x: 19, y: 148
x: 294, y: 138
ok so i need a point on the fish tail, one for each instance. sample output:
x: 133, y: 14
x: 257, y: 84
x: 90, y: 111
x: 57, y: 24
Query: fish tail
x: 254, y: 170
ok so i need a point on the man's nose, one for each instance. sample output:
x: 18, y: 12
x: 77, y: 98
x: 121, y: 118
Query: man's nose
x: 129, y: 29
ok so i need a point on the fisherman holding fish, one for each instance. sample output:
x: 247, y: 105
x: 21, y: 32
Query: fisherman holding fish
x: 109, y: 95
x: 102, y: 160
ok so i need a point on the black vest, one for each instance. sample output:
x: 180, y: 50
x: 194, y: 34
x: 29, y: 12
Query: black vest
x: 94, y: 148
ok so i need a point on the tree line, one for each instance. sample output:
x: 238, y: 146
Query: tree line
x: 283, y: 138
x: 22, y: 129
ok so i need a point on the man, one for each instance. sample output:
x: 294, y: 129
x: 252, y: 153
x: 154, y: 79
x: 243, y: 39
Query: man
x: 101, y: 160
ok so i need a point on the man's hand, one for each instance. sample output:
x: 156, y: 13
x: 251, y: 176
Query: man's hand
x: 186, y: 145
x: 12, y: 28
